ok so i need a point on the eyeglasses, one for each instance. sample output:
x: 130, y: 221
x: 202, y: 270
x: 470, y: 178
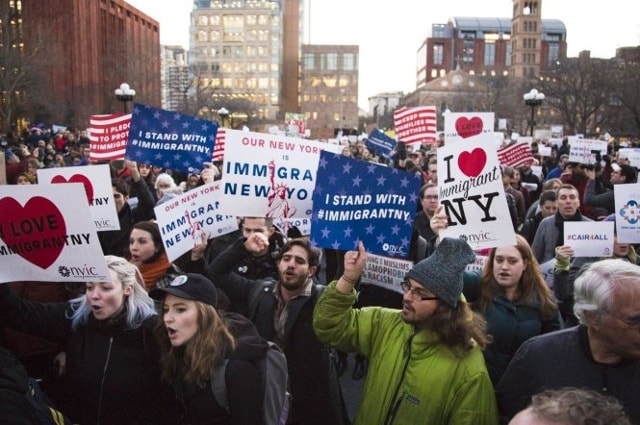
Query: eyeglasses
x: 415, y: 292
x: 633, y: 323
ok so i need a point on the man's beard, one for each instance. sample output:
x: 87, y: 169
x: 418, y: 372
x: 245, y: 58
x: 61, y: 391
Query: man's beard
x: 293, y: 284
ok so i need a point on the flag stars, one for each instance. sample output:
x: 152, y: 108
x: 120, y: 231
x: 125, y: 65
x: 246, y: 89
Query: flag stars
x: 380, y: 239
x: 346, y: 168
x: 356, y: 181
x: 395, y: 229
x: 381, y: 180
x: 325, y: 232
x: 347, y: 232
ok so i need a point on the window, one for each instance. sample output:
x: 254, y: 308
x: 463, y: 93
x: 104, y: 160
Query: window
x: 349, y: 62
x: 508, y: 55
x: 437, y: 31
x: 554, y: 53
x: 438, y: 54
x: 330, y: 61
x: 489, y: 54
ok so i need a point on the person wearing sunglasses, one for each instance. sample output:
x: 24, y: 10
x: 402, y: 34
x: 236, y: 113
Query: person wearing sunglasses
x: 426, y: 363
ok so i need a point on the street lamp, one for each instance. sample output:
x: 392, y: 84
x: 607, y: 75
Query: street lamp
x: 125, y: 94
x: 223, y: 113
x: 533, y: 99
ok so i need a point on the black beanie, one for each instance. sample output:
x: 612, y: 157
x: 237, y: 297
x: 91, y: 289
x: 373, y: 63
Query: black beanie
x: 441, y: 272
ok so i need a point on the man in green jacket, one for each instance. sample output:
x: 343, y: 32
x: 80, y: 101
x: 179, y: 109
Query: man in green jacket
x: 425, y: 361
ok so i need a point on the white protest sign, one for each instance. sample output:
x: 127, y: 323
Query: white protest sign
x: 97, y: 185
x: 385, y: 272
x: 184, y: 219
x: 544, y: 150
x: 589, y: 238
x: 583, y: 150
x: 46, y: 235
x: 547, y: 269
x: 627, y: 207
x: 467, y: 126
x: 269, y: 175
x: 478, y: 265
x: 470, y: 189
x: 632, y: 154
x: 302, y: 224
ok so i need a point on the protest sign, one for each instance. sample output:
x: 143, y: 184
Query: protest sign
x: 471, y: 191
x: 46, y: 235
x: 96, y: 180
x: 589, y: 238
x: 515, y: 155
x: 467, y: 126
x: 302, y: 224
x: 631, y: 154
x: 548, y: 269
x: 380, y: 143
x: 108, y: 135
x: 294, y: 124
x: 627, y: 207
x: 170, y: 139
x: 184, y: 219
x: 357, y: 200
x: 385, y: 272
x: 584, y: 150
x: 267, y: 175
x: 415, y: 126
x: 3, y: 169
x: 478, y: 265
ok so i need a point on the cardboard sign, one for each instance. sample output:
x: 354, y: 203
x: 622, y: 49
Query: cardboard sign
x: 184, y: 219
x: 385, y: 272
x: 96, y: 180
x: 46, y: 235
x: 356, y: 200
x: 471, y: 191
x: 589, y: 238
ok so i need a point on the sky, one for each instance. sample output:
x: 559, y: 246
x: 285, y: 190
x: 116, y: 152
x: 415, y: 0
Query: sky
x: 390, y: 33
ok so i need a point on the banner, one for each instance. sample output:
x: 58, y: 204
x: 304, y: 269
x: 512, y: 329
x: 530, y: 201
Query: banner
x: 470, y: 189
x: 96, y: 180
x: 380, y: 143
x: 356, y: 200
x: 108, y: 135
x: 385, y: 272
x: 266, y: 175
x: 515, y: 155
x: 416, y: 126
x: 46, y: 235
x: 184, y: 219
x: 169, y: 139
x: 467, y: 126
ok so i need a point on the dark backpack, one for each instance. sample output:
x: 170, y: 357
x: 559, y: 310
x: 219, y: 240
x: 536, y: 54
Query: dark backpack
x: 275, y: 375
x: 21, y: 397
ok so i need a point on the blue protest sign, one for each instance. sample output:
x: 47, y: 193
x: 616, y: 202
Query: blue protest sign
x: 356, y: 200
x: 169, y: 139
x: 380, y: 143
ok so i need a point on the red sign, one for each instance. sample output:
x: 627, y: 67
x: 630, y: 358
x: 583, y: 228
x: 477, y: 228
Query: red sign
x: 515, y: 155
x: 109, y: 136
x: 416, y: 125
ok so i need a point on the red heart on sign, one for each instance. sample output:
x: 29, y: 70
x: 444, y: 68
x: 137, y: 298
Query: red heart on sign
x: 472, y: 163
x: 467, y: 128
x: 39, y: 220
x: 77, y: 178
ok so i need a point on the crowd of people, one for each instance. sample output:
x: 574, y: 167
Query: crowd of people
x: 452, y: 346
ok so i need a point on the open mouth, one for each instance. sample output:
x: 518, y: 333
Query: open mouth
x: 171, y: 332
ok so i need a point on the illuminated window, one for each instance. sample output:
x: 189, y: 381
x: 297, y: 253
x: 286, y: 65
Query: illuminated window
x: 438, y: 54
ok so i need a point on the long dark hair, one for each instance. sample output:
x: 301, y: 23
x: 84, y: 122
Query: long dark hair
x: 154, y: 231
x: 459, y: 327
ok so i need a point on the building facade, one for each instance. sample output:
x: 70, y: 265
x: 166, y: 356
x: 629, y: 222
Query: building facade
x: 491, y: 46
x: 247, y: 49
x: 97, y: 45
x: 175, y: 78
x: 329, y: 89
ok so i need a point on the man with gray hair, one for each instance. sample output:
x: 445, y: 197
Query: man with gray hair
x: 601, y: 354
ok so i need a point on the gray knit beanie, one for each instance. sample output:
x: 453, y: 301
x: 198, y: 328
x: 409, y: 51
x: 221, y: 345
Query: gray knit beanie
x: 441, y: 272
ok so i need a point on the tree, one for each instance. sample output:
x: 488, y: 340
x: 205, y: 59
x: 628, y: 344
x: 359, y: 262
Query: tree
x: 624, y: 114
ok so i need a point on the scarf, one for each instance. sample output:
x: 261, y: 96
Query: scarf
x: 560, y: 225
x: 152, y: 272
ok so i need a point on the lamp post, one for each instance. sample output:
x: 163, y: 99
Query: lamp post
x: 533, y: 99
x: 223, y: 113
x: 125, y: 94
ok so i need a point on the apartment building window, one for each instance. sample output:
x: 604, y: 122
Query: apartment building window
x: 308, y: 61
x: 489, y: 54
x: 508, y: 55
x: 349, y: 62
x: 438, y: 54
x: 554, y: 54
x: 330, y: 61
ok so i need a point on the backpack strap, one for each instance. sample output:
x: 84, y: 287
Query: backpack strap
x: 219, y: 386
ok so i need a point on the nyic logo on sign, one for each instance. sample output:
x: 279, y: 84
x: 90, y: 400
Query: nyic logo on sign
x: 73, y: 271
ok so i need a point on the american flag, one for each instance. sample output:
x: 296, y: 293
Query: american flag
x: 108, y: 136
x: 416, y: 126
x: 218, y: 148
x: 515, y: 155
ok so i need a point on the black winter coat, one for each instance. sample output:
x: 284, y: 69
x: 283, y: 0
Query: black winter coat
x: 112, y: 372
x: 315, y: 389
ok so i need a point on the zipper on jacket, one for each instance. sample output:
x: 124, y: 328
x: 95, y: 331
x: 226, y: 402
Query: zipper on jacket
x: 104, y: 376
x: 395, y: 400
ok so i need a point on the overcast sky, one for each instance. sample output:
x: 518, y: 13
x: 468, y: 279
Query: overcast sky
x: 390, y: 33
